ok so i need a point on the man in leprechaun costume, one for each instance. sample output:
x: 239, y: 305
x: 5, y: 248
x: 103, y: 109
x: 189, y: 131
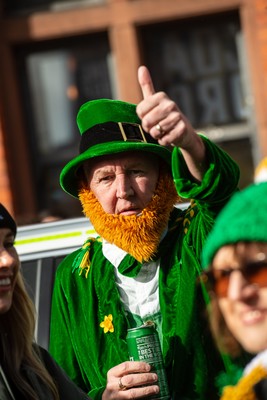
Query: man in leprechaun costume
x: 134, y: 163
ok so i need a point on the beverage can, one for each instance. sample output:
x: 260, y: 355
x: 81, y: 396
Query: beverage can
x: 144, y: 345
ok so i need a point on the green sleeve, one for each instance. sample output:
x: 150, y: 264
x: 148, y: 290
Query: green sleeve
x: 209, y: 196
x: 60, y: 327
x: 80, y: 302
x: 218, y: 184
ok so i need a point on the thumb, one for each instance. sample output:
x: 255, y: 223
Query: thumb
x: 145, y: 81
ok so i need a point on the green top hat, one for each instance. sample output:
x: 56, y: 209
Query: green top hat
x: 243, y: 219
x: 108, y: 127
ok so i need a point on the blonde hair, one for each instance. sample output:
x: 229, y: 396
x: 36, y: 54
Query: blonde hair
x: 17, y: 343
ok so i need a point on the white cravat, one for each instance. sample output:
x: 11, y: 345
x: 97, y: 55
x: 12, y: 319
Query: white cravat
x: 140, y: 294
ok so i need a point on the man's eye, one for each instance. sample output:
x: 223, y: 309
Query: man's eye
x: 105, y: 178
x: 137, y: 172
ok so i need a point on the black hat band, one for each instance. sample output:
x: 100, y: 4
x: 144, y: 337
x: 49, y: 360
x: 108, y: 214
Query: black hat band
x: 114, y: 132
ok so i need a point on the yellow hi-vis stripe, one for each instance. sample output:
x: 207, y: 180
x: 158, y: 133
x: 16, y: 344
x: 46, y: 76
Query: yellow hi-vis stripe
x: 52, y: 237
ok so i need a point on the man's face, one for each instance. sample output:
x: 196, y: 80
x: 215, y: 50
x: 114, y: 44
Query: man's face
x: 123, y: 183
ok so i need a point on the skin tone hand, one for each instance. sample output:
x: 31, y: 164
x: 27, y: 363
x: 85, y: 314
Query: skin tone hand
x: 137, y: 380
x: 165, y: 122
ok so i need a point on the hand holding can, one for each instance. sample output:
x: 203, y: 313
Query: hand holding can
x: 144, y: 345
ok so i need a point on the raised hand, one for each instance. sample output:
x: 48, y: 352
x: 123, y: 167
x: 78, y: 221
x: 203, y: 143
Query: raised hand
x: 165, y: 122
x: 161, y: 116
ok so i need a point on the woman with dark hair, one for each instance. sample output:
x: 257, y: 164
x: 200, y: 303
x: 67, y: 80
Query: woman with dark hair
x: 235, y: 258
x: 27, y: 372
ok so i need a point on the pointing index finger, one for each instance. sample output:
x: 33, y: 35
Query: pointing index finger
x: 145, y: 81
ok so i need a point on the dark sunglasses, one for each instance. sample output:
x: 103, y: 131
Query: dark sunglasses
x: 217, y: 281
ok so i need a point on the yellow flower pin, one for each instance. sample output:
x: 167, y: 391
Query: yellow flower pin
x: 107, y: 324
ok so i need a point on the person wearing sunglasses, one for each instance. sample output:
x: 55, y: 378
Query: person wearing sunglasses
x: 27, y: 372
x: 235, y: 276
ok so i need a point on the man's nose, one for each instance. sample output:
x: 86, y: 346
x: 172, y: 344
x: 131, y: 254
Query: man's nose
x: 124, y: 187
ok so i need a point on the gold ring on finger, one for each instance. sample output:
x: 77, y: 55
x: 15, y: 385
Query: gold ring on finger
x: 121, y: 385
x: 159, y: 128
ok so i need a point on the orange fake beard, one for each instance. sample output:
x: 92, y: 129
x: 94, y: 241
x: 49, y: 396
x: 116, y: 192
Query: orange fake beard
x: 138, y: 235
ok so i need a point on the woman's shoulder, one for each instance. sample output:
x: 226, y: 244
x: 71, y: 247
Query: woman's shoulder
x: 67, y: 389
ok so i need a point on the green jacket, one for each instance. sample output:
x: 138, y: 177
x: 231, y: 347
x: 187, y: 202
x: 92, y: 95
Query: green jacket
x: 81, y: 302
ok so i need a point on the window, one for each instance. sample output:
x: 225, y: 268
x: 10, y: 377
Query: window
x: 56, y: 78
x: 200, y: 64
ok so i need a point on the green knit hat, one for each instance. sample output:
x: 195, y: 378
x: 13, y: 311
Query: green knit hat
x: 244, y: 218
x: 108, y: 127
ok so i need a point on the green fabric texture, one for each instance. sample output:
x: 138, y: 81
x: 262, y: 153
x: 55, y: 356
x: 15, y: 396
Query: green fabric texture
x: 93, y: 114
x: 104, y: 110
x: 244, y: 218
x: 80, y: 303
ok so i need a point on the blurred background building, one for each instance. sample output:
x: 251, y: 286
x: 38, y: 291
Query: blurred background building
x: 210, y: 56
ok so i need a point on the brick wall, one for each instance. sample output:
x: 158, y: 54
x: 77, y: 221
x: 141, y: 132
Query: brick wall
x: 5, y: 190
